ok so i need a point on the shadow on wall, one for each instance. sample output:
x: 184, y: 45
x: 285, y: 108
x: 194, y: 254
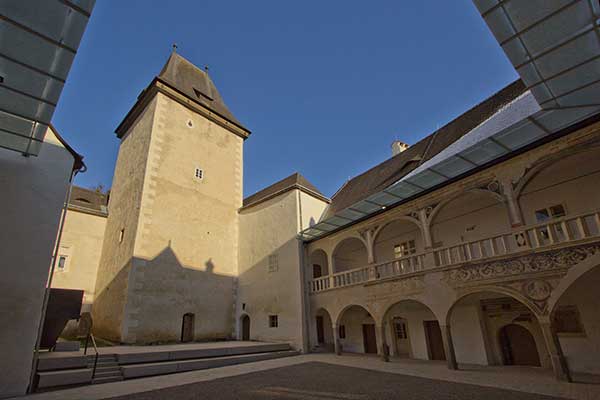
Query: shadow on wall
x: 147, y: 300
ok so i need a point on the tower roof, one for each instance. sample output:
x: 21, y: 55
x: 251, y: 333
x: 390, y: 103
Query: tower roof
x: 190, y: 86
x: 294, y: 181
x: 196, y: 84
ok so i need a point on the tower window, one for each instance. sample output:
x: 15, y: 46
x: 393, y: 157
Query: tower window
x: 199, y: 174
x: 62, y: 262
x: 121, y: 234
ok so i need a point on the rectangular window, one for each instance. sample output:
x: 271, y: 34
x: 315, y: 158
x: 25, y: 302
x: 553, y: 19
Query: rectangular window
x: 121, y: 234
x: 273, y: 321
x: 199, y: 174
x: 548, y: 214
x: 342, y: 331
x: 62, y: 262
x: 273, y: 263
x: 404, y: 249
x: 400, y: 328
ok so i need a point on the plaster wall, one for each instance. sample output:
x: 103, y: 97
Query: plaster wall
x: 33, y: 193
x: 122, y: 228
x: 185, y: 258
x: 467, y: 335
x: 572, y: 181
x: 270, y: 229
x: 81, y: 243
x: 582, y: 351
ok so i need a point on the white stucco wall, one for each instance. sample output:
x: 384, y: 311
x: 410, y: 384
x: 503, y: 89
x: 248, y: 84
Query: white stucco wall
x: 33, y: 193
x: 268, y: 229
x: 469, y: 346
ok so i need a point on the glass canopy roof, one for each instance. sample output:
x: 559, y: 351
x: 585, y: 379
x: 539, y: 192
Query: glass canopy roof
x: 39, y: 42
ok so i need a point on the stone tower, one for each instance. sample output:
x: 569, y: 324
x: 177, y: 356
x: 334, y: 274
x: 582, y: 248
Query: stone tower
x: 169, y: 258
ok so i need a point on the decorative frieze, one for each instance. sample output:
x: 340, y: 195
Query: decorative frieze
x: 396, y: 288
x: 554, y: 260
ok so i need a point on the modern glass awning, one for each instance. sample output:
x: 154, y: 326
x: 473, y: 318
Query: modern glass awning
x: 38, y: 44
x: 556, y: 51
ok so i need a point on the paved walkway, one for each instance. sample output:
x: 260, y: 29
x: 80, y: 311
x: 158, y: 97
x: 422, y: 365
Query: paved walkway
x: 524, y: 379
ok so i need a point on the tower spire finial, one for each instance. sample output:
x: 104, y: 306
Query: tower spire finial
x: 174, y: 47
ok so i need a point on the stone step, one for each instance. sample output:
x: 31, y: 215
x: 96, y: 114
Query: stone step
x: 63, y: 378
x: 170, y: 367
x: 103, y: 374
x: 106, y: 379
x: 189, y: 354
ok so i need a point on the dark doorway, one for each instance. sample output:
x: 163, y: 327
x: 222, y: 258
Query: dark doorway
x: 320, y: 330
x: 317, y: 271
x: 245, y: 327
x: 435, y: 344
x: 518, y: 346
x: 369, y: 339
x: 187, y: 328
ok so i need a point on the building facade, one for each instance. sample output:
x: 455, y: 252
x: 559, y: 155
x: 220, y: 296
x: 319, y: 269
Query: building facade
x: 477, y: 245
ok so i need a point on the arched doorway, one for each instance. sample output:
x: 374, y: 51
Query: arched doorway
x: 412, y: 331
x: 356, y: 331
x: 318, y: 264
x: 324, y: 332
x: 187, y: 327
x: 495, y: 328
x: 245, y: 326
x: 350, y: 253
x: 518, y: 346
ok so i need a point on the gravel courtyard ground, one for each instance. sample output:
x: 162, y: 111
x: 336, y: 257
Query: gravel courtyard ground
x: 321, y: 381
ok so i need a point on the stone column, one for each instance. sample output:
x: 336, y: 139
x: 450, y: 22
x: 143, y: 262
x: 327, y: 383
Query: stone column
x: 512, y: 203
x: 559, y: 363
x: 368, y: 236
x: 382, y: 348
x: 448, y: 347
x: 424, y: 220
x: 336, y: 340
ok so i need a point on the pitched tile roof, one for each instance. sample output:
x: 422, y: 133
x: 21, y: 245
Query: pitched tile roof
x: 88, y: 200
x: 294, y: 181
x: 389, y: 171
x: 196, y: 84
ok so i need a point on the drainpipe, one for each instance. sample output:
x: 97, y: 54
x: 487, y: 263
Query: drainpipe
x: 36, y: 350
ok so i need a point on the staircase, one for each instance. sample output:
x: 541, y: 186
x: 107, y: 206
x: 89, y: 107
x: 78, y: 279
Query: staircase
x: 57, y: 371
x: 107, y: 369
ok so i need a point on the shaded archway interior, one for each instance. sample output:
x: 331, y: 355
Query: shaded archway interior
x: 349, y: 254
x: 398, y: 238
x: 356, y: 331
x: 319, y: 266
x: 490, y: 328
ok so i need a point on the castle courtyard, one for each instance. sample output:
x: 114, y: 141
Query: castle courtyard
x: 349, y: 377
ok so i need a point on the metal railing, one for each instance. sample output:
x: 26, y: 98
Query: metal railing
x: 87, y: 339
x: 568, y: 229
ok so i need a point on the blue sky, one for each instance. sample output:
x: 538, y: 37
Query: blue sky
x: 324, y: 86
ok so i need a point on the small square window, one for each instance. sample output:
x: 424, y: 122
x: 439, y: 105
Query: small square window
x: 199, y: 174
x: 273, y: 263
x: 62, y: 262
x: 400, y: 328
x: 567, y: 321
x: 273, y: 321
x: 342, y: 331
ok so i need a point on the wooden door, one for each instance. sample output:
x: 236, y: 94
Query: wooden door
x: 369, y: 339
x: 435, y: 344
x: 320, y: 330
x: 518, y: 346
x: 187, y: 328
x: 245, y: 327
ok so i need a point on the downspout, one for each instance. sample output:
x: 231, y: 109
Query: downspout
x: 303, y: 297
x: 36, y: 350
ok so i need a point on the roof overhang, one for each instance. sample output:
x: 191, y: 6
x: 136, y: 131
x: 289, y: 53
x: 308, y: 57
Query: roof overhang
x: 38, y: 46
x: 555, y: 48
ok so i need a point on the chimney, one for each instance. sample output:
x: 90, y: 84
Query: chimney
x: 398, y: 147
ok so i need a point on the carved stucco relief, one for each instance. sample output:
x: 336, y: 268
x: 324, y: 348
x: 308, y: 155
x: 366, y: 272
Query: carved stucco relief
x: 533, y: 276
